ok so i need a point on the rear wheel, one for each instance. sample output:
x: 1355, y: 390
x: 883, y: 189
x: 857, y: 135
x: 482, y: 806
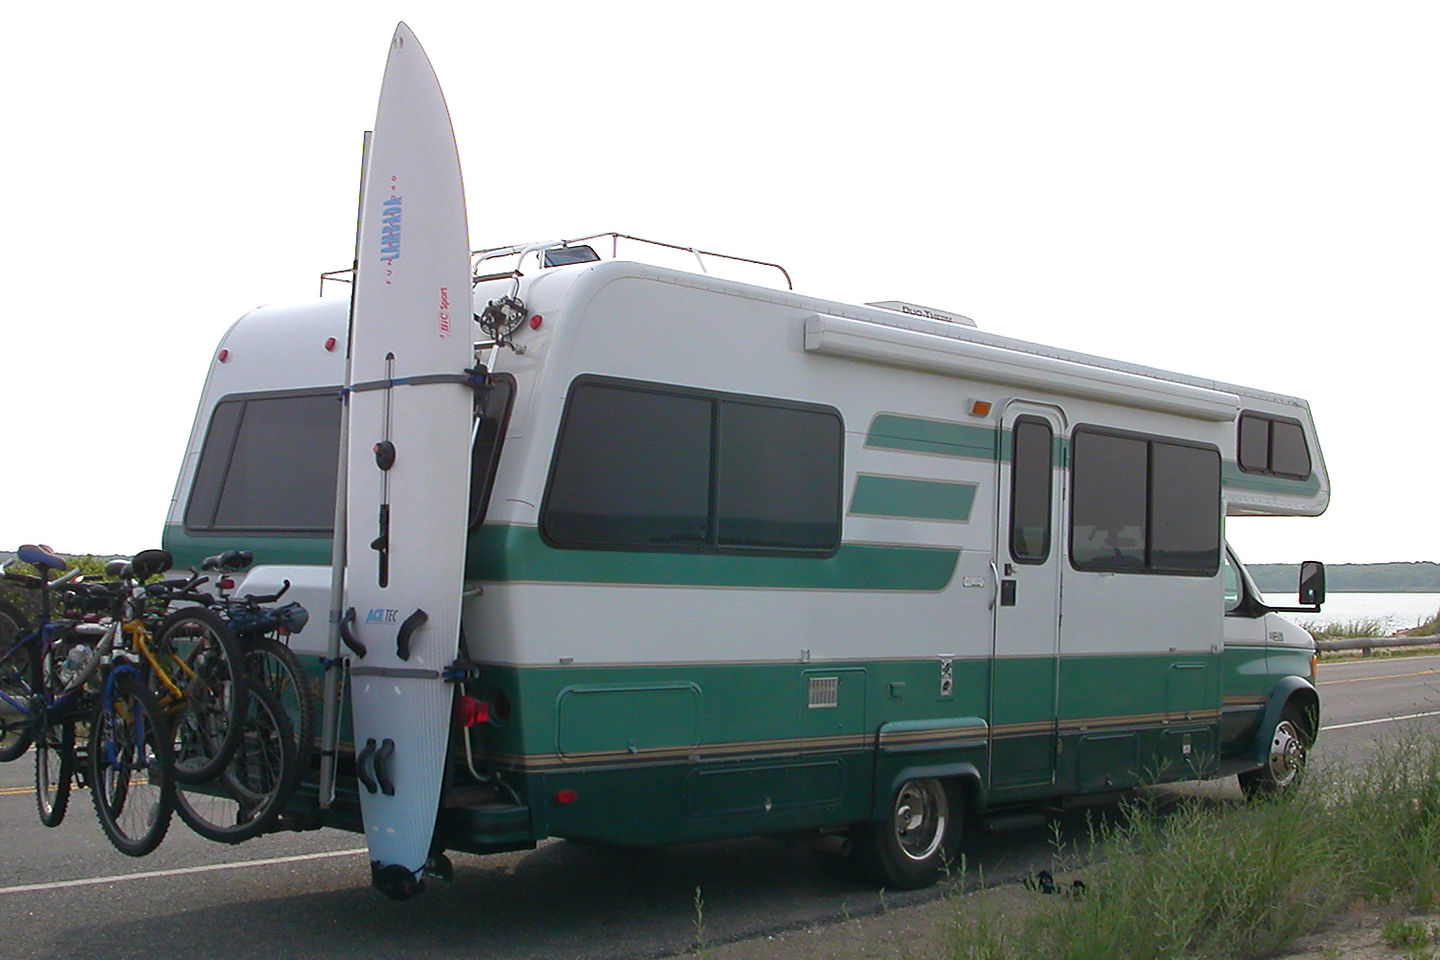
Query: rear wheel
x: 19, y: 680
x: 54, y: 764
x: 1285, y: 760
x: 274, y: 666
x: 917, y: 842
x: 248, y: 796
x: 201, y: 656
x: 130, y: 758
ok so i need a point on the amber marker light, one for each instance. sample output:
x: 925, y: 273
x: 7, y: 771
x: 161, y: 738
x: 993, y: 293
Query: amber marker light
x: 979, y: 408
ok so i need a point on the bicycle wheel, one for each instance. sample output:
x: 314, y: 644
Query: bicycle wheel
x: 130, y: 765
x: 54, y: 763
x: 248, y: 796
x: 201, y: 656
x: 19, y: 679
x: 275, y: 666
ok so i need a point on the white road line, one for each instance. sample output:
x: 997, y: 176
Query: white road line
x: 1358, y: 723
x: 178, y: 872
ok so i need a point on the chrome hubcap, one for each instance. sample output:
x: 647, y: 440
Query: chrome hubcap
x: 920, y: 818
x: 1287, y: 754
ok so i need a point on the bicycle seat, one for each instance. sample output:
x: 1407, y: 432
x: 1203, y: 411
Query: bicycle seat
x: 147, y: 563
x: 117, y: 569
x: 41, y: 557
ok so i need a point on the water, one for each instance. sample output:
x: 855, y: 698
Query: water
x: 1395, y: 611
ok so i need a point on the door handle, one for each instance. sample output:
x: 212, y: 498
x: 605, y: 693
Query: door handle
x: 995, y: 585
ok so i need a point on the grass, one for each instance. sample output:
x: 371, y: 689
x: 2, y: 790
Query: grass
x: 1240, y: 881
x: 1425, y: 628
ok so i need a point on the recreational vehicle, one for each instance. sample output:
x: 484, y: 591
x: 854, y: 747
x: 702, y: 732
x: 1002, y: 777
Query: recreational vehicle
x: 740, y: 561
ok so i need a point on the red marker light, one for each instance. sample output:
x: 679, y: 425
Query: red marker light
x: 224, y: 355
x: 566, y: 796
x: 535, y: 322
x: 329, y: 344
x: 468, y: 711
x: 226, y: 584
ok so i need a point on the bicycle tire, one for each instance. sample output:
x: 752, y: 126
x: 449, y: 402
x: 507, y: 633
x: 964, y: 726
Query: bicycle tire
x: 275, y: 666
x: 19, y: 679
x: 248, y: 797
x: 202, y: 656
x: 130, y: 760
x: 54, y: 763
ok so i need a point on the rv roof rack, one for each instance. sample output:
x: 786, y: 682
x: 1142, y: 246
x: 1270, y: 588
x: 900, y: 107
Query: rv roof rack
x: 547, y: 253
x: 543, y: 248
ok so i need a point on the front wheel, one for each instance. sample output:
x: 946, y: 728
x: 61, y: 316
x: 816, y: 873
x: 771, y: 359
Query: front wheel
x: 131, y: 766
x: 917, y: 842
x: 54, y: 763
x: 1285, y: 760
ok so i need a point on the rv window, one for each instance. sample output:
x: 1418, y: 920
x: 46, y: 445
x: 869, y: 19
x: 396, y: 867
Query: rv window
x: 778, y: 478
x: 1144, y: 505
x: 1108, y: 520
x: 640, y: 466
x: 1273, y: 446
x: 1184, y: 508
x: 1030, y: 485
x: 268, y: 465
x: 632, y: 468
x: 490, y: 423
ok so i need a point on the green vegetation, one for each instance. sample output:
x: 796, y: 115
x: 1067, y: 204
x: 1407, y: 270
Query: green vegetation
x: 1425, y: 628
x: 1282, y: 578
x: 1208, y: 880
x: 29, y: 600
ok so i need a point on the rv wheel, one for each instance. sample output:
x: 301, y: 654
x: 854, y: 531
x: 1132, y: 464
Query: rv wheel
x: 1285, y: 760
x: 912, y: 846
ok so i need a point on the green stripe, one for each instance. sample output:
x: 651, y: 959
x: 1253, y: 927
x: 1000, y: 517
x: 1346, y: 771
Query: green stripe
x: 1232, y: 476
x: 914, y: 499
x: 517, y: 554
x: 890, y: 431
x: 189, y: 549
x: 505, y: 553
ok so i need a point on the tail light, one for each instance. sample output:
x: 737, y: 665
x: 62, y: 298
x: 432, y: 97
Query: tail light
x: 469, y: 711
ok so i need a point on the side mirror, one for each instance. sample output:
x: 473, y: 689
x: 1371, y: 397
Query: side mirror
x: 1312, y: 583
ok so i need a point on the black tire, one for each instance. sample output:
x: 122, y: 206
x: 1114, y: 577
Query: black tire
x: 917, y: 842
x: 130, y: 757
x: 1286, y: 756
x: 54, y: 764
x: 202, y: 656
x: 19, y: 681
x: 275, y: 666
x: 249, y: 795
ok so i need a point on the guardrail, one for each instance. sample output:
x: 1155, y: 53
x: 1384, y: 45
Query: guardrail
x: 1369, y: 643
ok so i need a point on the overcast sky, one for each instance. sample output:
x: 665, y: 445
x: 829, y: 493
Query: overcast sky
x: 1234, y: 190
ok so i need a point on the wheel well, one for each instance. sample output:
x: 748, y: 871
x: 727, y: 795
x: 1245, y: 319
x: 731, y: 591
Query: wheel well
x: 1308, y: 705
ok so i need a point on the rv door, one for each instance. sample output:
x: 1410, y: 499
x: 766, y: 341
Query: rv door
x: 1024, y: 685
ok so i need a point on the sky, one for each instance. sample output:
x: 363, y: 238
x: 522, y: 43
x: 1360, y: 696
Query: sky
x: 1245, y: 192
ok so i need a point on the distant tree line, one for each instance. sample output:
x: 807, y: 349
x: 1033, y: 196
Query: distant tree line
x: 1421, y: 577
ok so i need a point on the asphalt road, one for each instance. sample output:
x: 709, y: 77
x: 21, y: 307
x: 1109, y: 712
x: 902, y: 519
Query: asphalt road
x: 64, y: 892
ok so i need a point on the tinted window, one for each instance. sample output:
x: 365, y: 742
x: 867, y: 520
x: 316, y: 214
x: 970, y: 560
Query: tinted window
x: 268, y: 465
x: 1274, y: 446
x: 644, y: 466
x: 493, y: 413
x: 1108, y: 530
x: 778, y: 479
x: 632, y: 467
x: 1288, y: 454
x: 1184, y: 508
x: 1030, y: 486
x: 1144, y: 504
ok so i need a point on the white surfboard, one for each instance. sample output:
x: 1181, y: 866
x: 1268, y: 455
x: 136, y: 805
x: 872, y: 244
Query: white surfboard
x: 409, y: 417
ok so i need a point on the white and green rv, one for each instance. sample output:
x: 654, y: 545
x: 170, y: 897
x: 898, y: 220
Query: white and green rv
x: 742, y: 561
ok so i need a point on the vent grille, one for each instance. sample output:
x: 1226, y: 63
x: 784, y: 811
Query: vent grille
x: 824, y: 692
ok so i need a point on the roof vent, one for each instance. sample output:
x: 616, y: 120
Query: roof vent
x: 929, y: 313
